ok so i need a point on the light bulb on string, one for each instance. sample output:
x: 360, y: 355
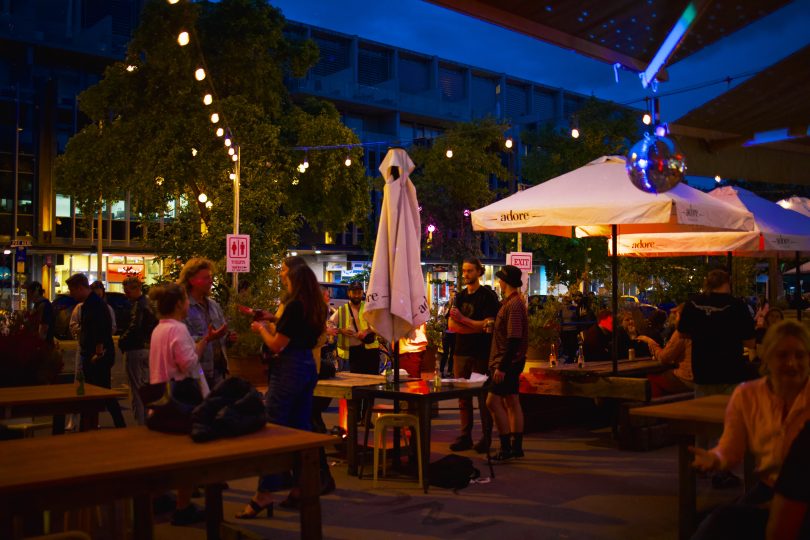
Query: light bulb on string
x: 235, y: 157
x: 575, y: 127
x: 182, y: 38
x: 431, y: 228
x: 718, y: 179
x: 305, y: 163
x: 208, y: 99
x: 199, y: 74
x: 159, y: 180
x: 348, y: 161
x: 214, y: 118
x: 220, y: 132
x: 301, y: 168
x: 173, y: 2
x: 575, y: 133
x: 449, y: 153
x: 227, y: 141
x: 231, y: 151
x: 508, y: 143
x: 232, y: 176
x: 131, y: 68
x: 209, y: 205
x: 193, y: 152
x: 202, y: 197
x: 646, y: 119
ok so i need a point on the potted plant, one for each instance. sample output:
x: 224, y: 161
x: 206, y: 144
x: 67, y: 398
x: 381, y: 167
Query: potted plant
x: 434, y: 329
x: 544, y: 329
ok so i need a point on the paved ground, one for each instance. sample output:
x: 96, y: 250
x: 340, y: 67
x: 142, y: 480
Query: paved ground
x: 572, y: 484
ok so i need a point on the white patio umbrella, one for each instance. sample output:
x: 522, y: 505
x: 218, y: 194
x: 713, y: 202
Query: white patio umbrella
x: 396, y: 301
x: 599, y: 200
x: 776, y: 230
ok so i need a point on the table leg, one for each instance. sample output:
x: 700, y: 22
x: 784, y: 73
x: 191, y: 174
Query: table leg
x: 687, y: 497
x: 366, y: 423
x: 310, y: 484
x: 351, y: 434
x: 213, y: 510
x: 143, y: 526
x: 89, y: 421
x: 58, y: 427
x: 424, y: 433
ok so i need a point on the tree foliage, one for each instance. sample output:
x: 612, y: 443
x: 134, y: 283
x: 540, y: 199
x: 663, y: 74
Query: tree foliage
x: 151, y: 137
x: 446, y: 187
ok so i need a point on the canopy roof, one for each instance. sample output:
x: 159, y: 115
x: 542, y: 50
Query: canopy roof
x: 625, y: 31
x: 600, y: 194
x: 776, y: 230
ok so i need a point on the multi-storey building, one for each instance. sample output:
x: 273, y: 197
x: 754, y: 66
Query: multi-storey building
x: 52, y: 50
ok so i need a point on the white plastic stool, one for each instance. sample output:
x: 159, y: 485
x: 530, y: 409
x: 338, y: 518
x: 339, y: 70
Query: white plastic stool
x: 395, y: 420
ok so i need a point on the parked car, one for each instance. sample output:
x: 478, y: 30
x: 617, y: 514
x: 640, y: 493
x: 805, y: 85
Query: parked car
x: 63, y: 306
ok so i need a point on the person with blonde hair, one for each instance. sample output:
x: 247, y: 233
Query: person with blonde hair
x: 763, y: 417
x: 205, y: 316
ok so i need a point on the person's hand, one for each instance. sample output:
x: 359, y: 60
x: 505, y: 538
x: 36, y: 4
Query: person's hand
x: 704, y: 460
x: 216, y: 333
x: 331, y: 331
x: 257, y: 326
x: 498, y: 376
x: 456, y: 315
x: 646, y: 339
x: 361, y: 335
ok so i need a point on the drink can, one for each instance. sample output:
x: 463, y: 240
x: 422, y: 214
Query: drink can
x: 631, y: 354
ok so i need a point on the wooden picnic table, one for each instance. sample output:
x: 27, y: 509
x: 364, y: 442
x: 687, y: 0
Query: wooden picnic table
x: 341, y: 387
x: 700, y: 416
x: 595, y: 379
x: 63, y: 473
x: 57, y: 400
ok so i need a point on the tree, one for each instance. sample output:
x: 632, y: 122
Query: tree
x: 446, y: 187
x: 151, y: 136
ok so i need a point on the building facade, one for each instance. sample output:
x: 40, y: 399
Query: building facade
x: 51, y: 50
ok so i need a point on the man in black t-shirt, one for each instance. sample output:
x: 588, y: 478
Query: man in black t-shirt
x: 471, y: 316
x: 719, y: 326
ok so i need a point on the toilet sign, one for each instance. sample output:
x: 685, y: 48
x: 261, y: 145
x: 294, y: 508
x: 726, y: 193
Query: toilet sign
x: 238, y: 252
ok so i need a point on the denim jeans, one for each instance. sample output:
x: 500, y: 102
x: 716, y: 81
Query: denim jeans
x: 137, y: 362
x: 289, y: 397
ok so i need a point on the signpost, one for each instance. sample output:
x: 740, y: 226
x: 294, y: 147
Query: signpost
x: 238, y: 253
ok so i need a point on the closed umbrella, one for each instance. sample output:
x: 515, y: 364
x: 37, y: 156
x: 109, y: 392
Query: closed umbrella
x: 396, y: 301
x: 599, y: 200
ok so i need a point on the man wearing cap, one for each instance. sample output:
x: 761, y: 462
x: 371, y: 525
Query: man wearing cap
x: 474, y: 307
x: 355, y: 340
x: 510, y: 340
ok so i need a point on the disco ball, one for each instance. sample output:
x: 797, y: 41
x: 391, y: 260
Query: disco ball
x: 655, y: 165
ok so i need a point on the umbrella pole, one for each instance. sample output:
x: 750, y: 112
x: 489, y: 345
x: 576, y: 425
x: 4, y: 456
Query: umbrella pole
x: 614, y: 293
x: 730, y: 268
x: 395, y: 461
x: 798, y: 288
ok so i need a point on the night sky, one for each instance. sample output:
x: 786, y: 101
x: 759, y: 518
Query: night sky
x: 426, y: 28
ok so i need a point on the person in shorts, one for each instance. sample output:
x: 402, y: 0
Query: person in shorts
x: 510, y: 340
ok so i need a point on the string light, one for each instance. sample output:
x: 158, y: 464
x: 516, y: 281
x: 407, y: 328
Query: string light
x: 214, y: 118
x: 575, y: 133
x: 202, y: 197
x: 718, y: 179
x: 305, y: 163
x: 172, y: 2
x: 227, y: 141
x: 220, y: 132
x: 231, y: 151
x: 232, y: 176
x: 508, y: 143
x: 199, y: 74
x: 208, y: 99
x: 182, y: 38
x: 209, y: 205
x: 646, y: 119
x: 449, y: 153
x: 431, y: 228
x: 301, y: 168
x: 348, y: 161
x: 193, y: 152
x: 234, y: 157
x: 131, y: 68
x: 159, y: 180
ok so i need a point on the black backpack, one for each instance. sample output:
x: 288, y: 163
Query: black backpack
x: 452, y: 472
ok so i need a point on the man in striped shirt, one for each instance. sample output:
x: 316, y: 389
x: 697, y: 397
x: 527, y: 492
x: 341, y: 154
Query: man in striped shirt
x: 510, y: 340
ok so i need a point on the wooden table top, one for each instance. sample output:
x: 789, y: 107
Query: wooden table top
x: 599, y: 368
x: 341, y: 385
x: 706, y: 410
x: 110, y: 454
x: 54, y: 393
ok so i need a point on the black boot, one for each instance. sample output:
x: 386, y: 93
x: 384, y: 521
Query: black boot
x: 517, y: 445
x: 505, y: 453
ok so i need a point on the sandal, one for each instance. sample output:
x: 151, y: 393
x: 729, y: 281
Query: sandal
x: 255, y: 510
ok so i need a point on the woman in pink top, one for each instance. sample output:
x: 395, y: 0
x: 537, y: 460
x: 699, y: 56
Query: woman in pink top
x: 763, y: 417
x: 174, y: 355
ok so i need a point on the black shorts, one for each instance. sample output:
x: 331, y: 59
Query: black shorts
x: 511, y: 382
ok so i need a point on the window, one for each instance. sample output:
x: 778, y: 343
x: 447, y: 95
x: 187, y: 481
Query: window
x: 63, y: 205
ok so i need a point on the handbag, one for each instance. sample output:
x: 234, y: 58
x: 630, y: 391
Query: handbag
x: 169, y: 404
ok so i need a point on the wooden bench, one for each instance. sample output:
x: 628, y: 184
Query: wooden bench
x: 645, y: 433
